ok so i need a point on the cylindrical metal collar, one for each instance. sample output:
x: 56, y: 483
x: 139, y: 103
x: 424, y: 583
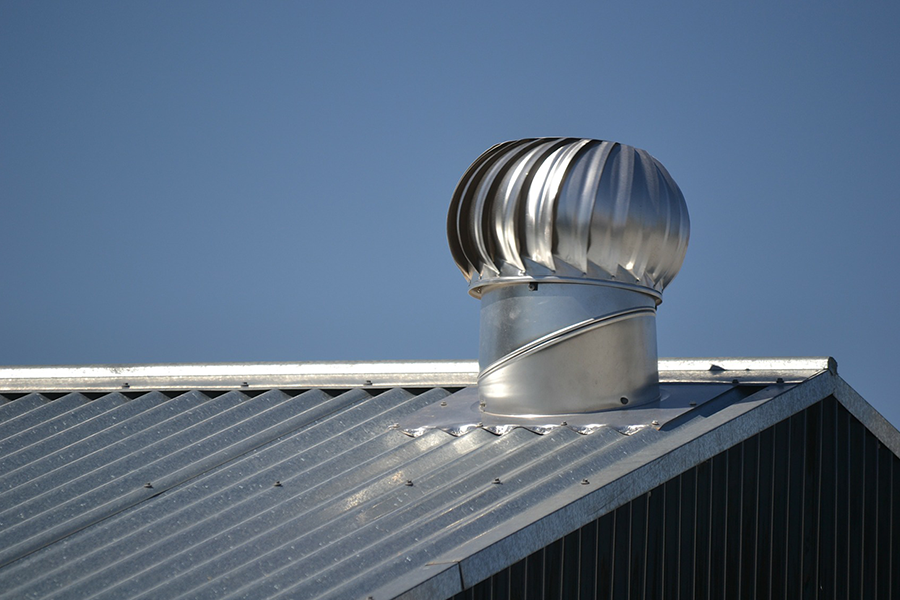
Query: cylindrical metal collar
x: 558, y: 348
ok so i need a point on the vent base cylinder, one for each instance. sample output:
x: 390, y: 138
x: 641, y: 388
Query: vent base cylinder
x: 562, y: 348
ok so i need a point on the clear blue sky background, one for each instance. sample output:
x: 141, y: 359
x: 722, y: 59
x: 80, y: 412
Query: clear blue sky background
x: 194, y: 181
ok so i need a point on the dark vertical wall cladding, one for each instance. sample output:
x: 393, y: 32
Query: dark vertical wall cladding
x: 809, y: 508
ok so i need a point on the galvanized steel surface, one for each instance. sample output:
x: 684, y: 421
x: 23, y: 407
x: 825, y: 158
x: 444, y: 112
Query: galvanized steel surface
x: 809, y: 507
x: 569, y: 244
x: 567, y: 209
x: 553, y: 349
x: 460, y: 413
x: 307, y: 495
x: 252, y: 376
x: 344, y: 375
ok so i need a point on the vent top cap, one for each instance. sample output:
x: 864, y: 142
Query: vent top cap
x: 568, y: 209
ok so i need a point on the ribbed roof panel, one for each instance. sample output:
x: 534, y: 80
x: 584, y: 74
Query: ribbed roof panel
x: 300, y: 495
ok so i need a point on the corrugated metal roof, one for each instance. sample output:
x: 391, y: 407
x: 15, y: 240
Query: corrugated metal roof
x: 278, y: 493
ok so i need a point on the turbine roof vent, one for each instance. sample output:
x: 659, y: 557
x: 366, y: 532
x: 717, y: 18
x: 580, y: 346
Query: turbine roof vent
x: 568, y: 209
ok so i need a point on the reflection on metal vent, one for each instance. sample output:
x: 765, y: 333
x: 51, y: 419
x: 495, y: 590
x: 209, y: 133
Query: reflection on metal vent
x: 569, y: 243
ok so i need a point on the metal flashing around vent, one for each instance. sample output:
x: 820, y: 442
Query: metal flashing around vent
x: 462, y: 411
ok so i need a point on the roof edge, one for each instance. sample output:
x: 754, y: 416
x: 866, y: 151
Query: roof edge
x: 571, y: 508
x: 349, y: 374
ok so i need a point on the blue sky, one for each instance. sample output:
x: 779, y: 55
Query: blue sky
x: 213, y: 181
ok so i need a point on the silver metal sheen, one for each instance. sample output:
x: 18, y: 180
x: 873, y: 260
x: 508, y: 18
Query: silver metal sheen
x: 568, y: 207
x: 566, y: 348
x: 569, y: 244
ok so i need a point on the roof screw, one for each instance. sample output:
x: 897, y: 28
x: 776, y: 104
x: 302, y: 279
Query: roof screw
x: 693, y: 403
x: 496, y: 480
x: 533, y: 286
x: 245, y: 384
x: 735, y: 382
x: 125, y: 385
x: 368, y: 382
x: 277, y: 484
x: 623, y: 400
x: 395, y: 426
x: 584, y: 482
x: 148, y: 485
x: 654, y: 422
x: 443, y: 403
x: 779, y: 380
x: 409, y: 482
